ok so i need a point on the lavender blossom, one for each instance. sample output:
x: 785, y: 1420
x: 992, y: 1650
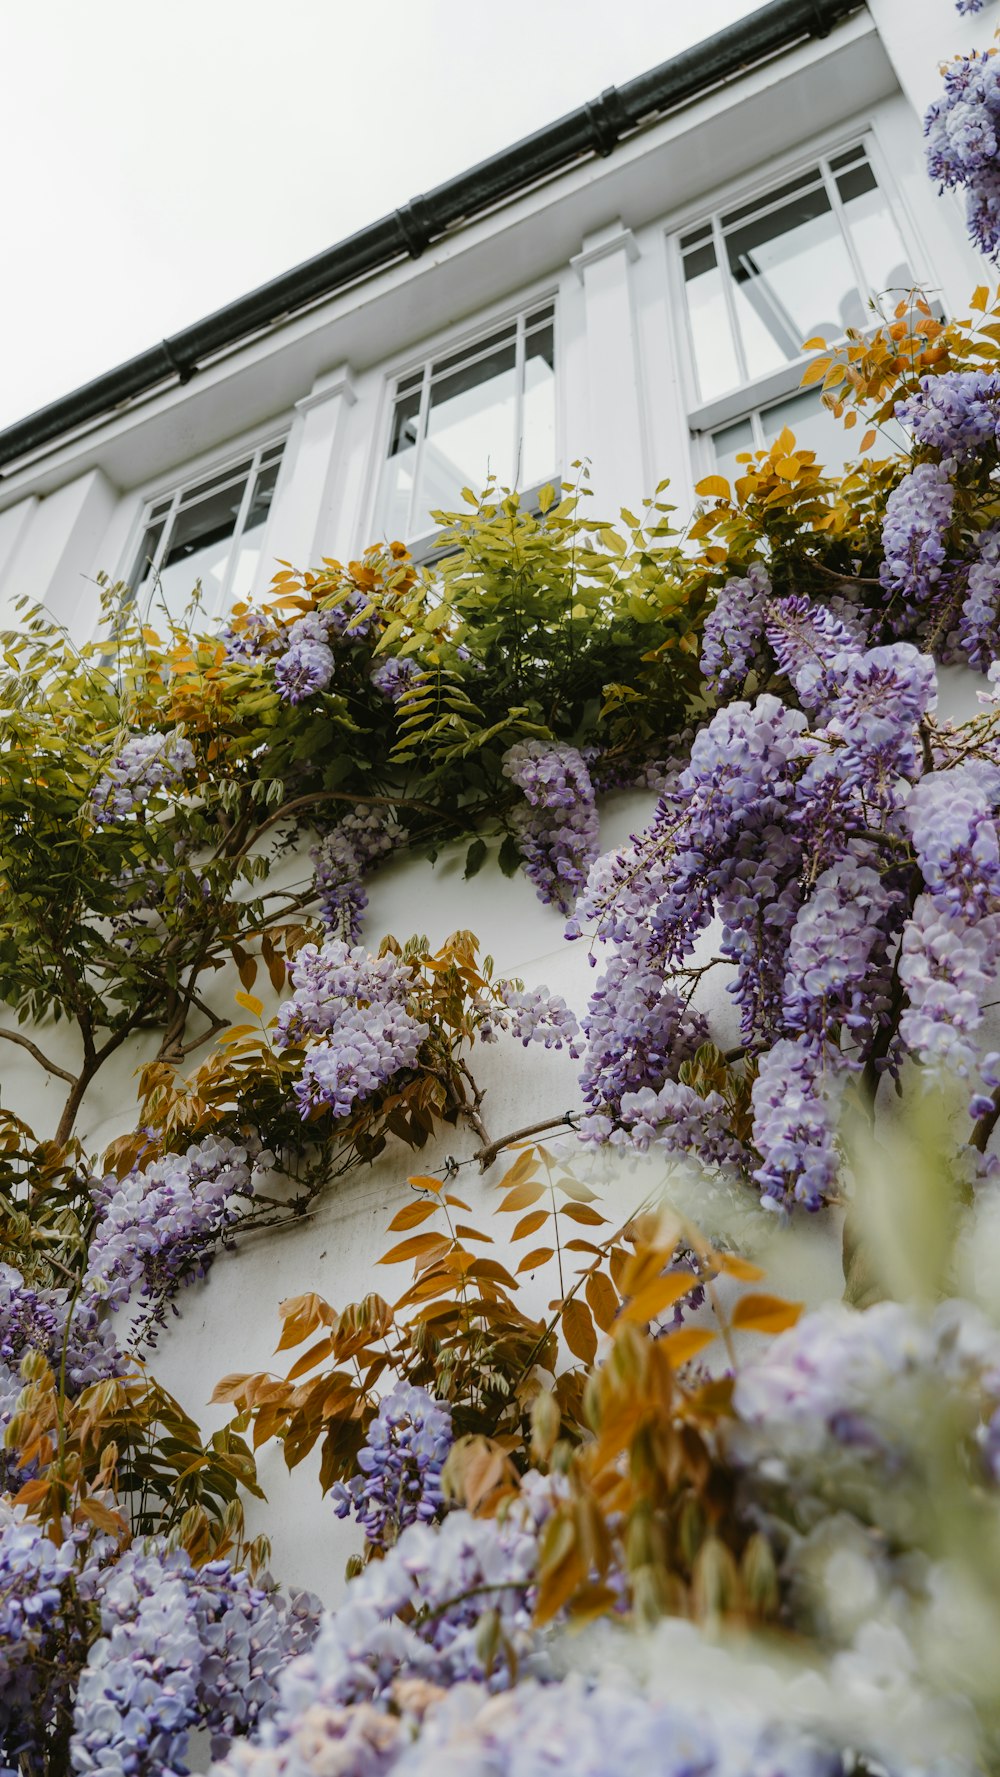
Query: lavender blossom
x: 355, y: 1004
x: 962, y: 142
x: 558, y: 831
x: 917, y: 515
x: 342, y: 857
x: 400, y: 1481
x: 146, y: 765
x: 794, y: 1108
x: 733, y: 632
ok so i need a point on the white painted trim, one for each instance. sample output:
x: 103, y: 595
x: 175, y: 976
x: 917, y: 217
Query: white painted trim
x: 619, y: 240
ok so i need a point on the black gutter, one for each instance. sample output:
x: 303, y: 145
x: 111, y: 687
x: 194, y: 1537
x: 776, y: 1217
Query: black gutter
x: 594, y: 128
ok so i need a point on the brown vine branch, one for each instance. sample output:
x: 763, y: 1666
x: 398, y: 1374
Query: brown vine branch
x: 60, y: 1073
x: 487, y: 1155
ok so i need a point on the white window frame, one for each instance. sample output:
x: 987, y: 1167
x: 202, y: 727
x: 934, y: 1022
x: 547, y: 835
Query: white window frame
x: 424, y: 546
x: 747, y: 400
x: 174, y: 490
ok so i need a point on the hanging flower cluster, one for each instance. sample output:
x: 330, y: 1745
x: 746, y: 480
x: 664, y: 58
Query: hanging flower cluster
x: 159, y: 1227
x: 400, y: 1466
x: 146, y: 765
x: 962, y: 142
x: 351, y: 1008
x: 341, y: 859
x: 133, y: 1650
x: 558, y: 829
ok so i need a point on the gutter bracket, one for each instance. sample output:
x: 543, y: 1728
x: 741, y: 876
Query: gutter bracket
x: 183, y: 372
x: 416, y: 225
x: 821, y: 24
x: 608, y: 120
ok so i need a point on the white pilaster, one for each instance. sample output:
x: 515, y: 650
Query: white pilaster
x: 298, y: 529
x: 616, y: 443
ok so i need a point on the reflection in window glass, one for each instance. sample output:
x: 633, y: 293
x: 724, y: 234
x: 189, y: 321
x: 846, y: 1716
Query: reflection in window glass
x: 729, y: 441
x: 488, y: 409
x: 714, y: 349
x: 792, y: 277
x: 210, y: 536
x: 802, y: 260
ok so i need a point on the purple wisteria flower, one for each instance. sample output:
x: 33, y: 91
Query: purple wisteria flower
x: 794, y: 1123
x: 341, y: 859
x: 158, y: 1228
x: 962, y: 142
x: 394, y: 675
x: 145, y: 766
x: 401, y: 1462
x: 979, y: 624
x: 956, y: 413
x: 558, y: 829
x: 733, y: 631
x: 533, y: 1015
x: 355, y: 1006
x: 917, y: 515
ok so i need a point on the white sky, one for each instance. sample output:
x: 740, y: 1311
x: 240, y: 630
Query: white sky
x: 161, y: 160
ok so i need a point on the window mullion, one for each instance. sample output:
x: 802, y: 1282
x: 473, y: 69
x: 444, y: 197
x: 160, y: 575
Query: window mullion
x: 519, y: 369
x: 418, y: 460
x: 237, y: 536
x: 837, y: 206
x: 722, y: 259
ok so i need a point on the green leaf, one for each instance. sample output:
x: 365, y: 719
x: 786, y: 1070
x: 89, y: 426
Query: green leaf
x: 475, y: 858
x: 509, y: 857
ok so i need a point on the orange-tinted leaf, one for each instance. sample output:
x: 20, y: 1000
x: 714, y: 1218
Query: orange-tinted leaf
x: 411, y: 1216
x: 416, y: 1248
x: 662, y: 1293
x: 578, y: 1330
x: 540, y: 1255
x: 249, y: 1002
x: 582, y: 1212
x: 420, y: 1183
x: 713, y: 486
x: 530, y: 1224
x: 521, y: 1197
x: 734, y: 1266
x: 680, y: 1347
x: 765, y: 1314
x: 868, y: 440
x: 301, y: 1315
x: 603, y: 1299
x: 230, y: 1387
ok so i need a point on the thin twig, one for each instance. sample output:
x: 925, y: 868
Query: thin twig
x: 487, y: 1155
x: 13, y: 1036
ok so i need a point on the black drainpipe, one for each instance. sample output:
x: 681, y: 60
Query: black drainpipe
x: 594, y: 128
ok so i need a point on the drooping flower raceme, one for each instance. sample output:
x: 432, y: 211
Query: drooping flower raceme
x: 145, y: 765
x: 351, y: 1010
x: 341, y: 859
x: 917, y: 515
x: 962, y: 142
x: 158, y: 1229
x: 733, y: 631
x: 180, y: 1647
x: 557, y: 826
x: 400, y: 1466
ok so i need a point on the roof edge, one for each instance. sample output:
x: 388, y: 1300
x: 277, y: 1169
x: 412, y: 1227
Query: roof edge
x: 594, y: 128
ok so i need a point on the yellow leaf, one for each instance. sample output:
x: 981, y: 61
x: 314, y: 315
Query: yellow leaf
x: 980, y: 298
x: 785, y: 441
x: 815, y: 371
x: 249, y: 1002
x: 603, y: 1299
x: 868, y: 440
x: 815, y: 344
x: 765, y: 1314
x: 530, y: 1224
x: 416, y: 1248
x: 685, y: 1344
x: 716, y: 485
x: 411, y: 1216
x: 658, y: 1295
x: 420, y: 1183
x: 787, y: 468
x: 734, y: 1266
x: 578, y: 1330
x: 582, y: 1212
x: 522, y: 1196
x: 540, y: 1255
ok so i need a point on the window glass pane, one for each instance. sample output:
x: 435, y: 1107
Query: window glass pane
x: 714, y: 352
x: 235, y: 472
x: 198, y: 549
x: 470, y: 431
x: 538, y: 443
x: 815, y: 428
x: 876, y: 238
x: 398, y: 472
x: 792, y: 278
x: 481, y: 348
x: 728, y: 442
x: 252, y: 538
x: 145, y: 556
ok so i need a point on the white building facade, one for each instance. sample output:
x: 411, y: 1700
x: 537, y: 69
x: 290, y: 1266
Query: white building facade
x: 632, y: 287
